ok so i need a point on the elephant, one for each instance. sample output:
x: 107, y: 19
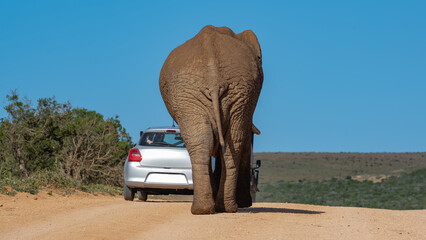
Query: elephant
x: 210, y: 85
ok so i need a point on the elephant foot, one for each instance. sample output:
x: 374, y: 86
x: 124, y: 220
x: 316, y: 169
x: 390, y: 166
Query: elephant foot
x: 231, y: 207
x: 244, y: 205
x: 220, y: 208
x: 199, y: 208
x: 244, y: 202
x: 227, y: 207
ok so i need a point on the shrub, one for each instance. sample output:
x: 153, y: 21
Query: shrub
x: 60, y: 145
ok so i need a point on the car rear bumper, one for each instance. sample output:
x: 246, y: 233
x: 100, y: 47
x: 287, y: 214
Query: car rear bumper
x: 137, y: 176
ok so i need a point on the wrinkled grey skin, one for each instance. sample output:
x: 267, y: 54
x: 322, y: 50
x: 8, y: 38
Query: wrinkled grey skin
x: 210, y: 86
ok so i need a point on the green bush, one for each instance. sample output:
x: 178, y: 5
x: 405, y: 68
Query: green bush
x: 68, y: 146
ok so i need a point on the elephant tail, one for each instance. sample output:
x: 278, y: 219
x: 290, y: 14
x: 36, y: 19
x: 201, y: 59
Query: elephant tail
x: 216, y: 109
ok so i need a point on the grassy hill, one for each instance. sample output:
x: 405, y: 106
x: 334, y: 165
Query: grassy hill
x: 378, y: 180
x: 295, y: 166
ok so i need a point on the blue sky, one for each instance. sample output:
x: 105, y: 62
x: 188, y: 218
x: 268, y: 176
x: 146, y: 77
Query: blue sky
x: 339, y: 76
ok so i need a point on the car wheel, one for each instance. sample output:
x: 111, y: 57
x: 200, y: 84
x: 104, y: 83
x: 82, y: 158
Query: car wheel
x: 253, y: 196
x: 253, y: 189
x: 143, y: 196
x: 128, y: 193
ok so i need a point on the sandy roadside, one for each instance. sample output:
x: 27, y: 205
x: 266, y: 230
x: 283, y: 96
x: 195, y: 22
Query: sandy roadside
x: 85, y: 216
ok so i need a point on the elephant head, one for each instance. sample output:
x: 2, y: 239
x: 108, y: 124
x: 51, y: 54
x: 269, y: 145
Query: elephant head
x: 210, y: 85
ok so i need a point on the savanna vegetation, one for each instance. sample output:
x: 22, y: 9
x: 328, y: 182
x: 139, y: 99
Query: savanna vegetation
x: 295, y: 166
x: 407, y: 191
x: 53, y: 144
x: 376, y: 180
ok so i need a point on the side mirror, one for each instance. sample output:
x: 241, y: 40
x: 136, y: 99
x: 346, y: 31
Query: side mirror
x: 140, y: 133
x: 258, y: 163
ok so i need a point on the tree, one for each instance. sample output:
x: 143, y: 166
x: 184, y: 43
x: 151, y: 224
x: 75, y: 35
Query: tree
x: 15, y: 131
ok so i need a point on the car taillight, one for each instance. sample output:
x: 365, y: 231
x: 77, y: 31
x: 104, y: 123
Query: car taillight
x: 171, y: 131
x: 135, y: 155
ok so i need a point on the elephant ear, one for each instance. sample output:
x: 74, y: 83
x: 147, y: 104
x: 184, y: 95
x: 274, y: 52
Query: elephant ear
x: 250, y: 39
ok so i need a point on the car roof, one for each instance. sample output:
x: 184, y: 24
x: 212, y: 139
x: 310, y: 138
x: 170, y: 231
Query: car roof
x: 163, y: 128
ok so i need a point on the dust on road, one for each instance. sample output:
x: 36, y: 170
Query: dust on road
x: 85, y: 216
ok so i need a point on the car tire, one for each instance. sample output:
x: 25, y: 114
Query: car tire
x: 143, y: 196
x: 128, y: 193
x: 253, y: 188
x: 253, y: 196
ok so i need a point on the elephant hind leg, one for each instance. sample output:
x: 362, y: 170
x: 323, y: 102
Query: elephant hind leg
x: 234, y: 188
x: 198, y: 137
x: 226, y: 195
x: 244, y: 176
x: 203, y: 196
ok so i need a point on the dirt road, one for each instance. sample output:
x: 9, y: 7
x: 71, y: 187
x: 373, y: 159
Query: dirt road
x: 84, y: 216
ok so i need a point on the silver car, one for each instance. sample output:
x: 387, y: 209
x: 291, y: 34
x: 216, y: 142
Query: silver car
x: 160, y: 164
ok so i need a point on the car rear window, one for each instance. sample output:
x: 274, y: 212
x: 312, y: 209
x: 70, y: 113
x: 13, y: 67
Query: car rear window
x: 162, y: 139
